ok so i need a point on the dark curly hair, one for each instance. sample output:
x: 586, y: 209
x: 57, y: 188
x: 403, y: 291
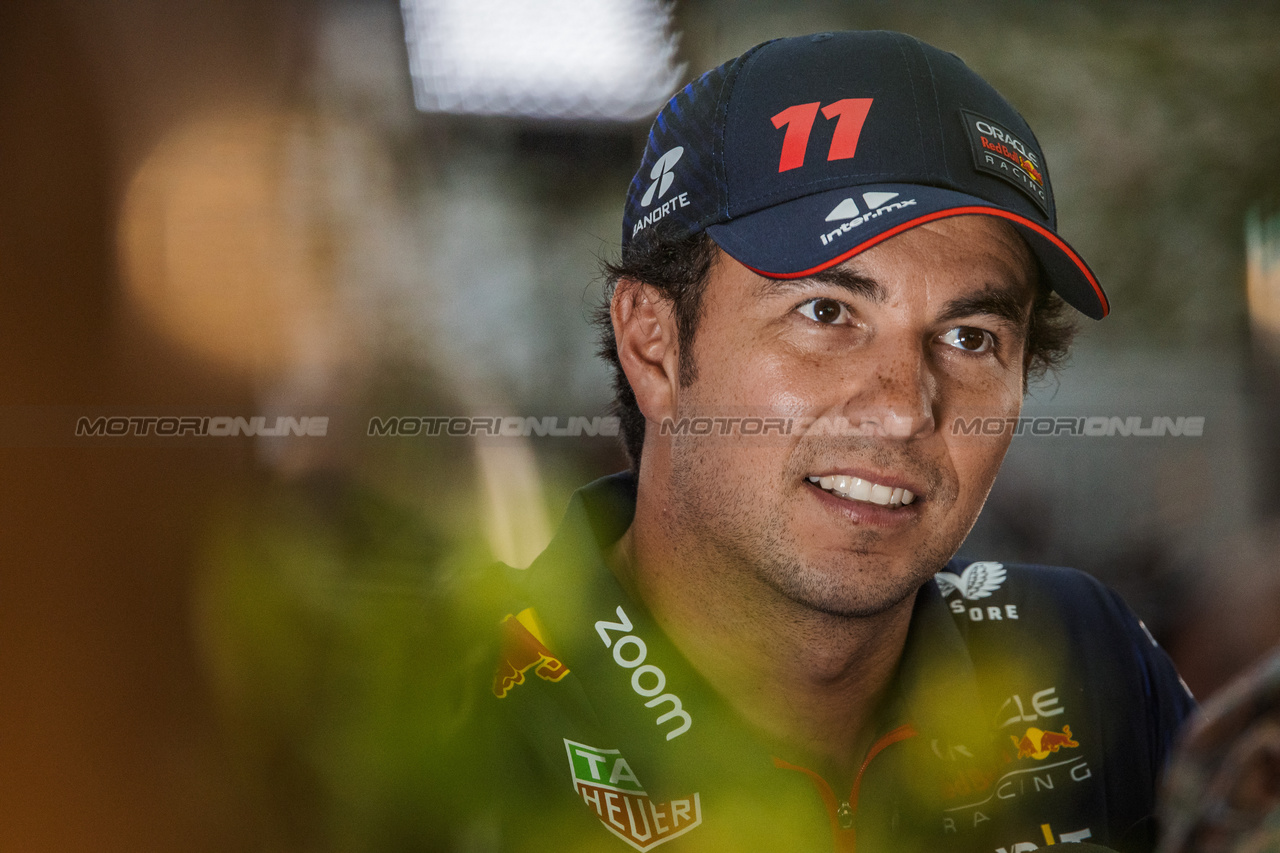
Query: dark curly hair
x: 678, y: 267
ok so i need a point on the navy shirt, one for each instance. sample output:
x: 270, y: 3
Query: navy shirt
x: 1030, y: 707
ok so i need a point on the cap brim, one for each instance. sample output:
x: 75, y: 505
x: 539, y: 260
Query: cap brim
x: 807, y: 235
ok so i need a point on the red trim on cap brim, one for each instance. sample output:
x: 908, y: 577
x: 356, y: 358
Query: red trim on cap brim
x: 943, y: 214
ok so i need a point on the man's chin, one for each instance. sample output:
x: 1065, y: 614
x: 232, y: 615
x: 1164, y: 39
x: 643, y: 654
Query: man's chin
x: 871, y: 592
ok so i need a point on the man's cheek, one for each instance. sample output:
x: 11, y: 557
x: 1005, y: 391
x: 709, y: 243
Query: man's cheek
x: 979, y: 474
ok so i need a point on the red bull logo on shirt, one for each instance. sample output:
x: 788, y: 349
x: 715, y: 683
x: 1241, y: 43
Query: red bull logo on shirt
x: 522, y: 649
x: 608, y: 785
x: 1039, y: 744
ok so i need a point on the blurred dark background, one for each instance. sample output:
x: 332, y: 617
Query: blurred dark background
x: 245, y: 208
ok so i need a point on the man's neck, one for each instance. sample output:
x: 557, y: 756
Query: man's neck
x: 809, y: 680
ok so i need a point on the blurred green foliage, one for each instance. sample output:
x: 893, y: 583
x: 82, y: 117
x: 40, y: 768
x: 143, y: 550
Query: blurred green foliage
x: 341, y: 637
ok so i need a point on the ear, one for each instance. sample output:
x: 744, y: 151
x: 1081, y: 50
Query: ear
x: 645, y: 330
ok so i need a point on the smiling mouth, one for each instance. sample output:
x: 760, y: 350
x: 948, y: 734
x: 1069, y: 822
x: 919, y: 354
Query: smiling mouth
x: 857, y: 489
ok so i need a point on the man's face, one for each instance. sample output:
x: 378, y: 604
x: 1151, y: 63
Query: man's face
x: 886, y: 350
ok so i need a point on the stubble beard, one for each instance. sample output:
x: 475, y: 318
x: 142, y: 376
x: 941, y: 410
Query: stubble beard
x: 748, y: 538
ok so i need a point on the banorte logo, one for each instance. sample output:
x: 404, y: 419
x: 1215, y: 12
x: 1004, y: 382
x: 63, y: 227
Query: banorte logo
x: 661, y: 175
x: 522, y: 649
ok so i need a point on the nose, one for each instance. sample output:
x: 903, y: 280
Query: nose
x: 893, y: 391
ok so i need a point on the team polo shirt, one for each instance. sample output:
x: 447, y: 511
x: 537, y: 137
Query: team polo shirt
x: 1030, y: 708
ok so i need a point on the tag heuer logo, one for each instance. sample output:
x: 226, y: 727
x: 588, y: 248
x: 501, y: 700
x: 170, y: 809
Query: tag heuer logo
x: 979, y: 580
x: 606, y: 783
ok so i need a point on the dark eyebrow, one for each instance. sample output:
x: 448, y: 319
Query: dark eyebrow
x: 858, y: 285
x: 1006, y: 303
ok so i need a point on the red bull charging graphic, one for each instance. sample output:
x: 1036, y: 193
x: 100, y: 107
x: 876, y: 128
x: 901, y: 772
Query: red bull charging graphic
x: 1039, y: 744
x: 522, y: 649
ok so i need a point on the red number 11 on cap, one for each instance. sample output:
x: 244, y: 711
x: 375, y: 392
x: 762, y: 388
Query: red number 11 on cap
x: 799, y: 121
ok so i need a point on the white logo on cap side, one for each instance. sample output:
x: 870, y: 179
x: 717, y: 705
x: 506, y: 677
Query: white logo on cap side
x: 661, y: 174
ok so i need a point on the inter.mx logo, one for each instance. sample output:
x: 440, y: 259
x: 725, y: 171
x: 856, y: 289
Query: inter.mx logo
x: 608, y: 785
x: 875, y: 204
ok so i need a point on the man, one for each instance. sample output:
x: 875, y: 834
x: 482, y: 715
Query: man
x: 838, y: 257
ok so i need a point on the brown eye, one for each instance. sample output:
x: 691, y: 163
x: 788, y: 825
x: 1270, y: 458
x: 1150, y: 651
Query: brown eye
x: 969, y: 339
x: 827, y: 311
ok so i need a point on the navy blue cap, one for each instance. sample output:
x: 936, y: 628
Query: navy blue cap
x: 803, y: 152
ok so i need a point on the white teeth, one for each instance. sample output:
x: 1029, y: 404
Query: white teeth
x: 861, y: 490
x: 855, y: 488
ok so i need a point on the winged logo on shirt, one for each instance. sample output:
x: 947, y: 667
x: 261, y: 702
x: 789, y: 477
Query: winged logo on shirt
x: 977, y: 581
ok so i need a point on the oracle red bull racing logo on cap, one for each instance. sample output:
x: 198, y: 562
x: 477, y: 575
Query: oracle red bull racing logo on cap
x: 523, y: 649
x: 1039, y: 744
x: 610, y: 788
x: 998, y: 151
